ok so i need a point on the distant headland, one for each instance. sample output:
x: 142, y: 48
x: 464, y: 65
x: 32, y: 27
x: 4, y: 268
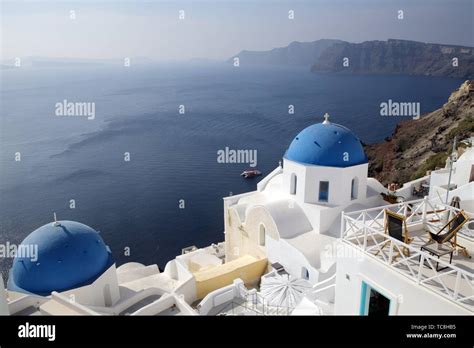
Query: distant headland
x: 402, y: 57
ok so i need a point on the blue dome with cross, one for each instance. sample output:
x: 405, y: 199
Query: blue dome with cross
x: 59, y: 256
x: 326, y: 144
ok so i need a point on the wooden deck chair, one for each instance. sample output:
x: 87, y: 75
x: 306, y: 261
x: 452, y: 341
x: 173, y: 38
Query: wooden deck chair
x: 448, y: 233
x: 396, y: 227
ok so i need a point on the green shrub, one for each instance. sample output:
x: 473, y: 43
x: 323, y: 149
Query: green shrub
x: 403, y: 144
x: 437, y: 160
x: 463, y: 129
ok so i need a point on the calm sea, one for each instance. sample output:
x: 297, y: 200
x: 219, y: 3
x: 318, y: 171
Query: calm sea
x: 173, y: 156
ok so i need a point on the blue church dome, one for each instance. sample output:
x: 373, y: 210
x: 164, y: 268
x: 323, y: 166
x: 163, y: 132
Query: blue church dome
x: 69, y: 255
x: 326, y: 144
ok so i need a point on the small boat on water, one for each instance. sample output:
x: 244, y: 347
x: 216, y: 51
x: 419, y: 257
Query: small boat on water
x: 250, y: 173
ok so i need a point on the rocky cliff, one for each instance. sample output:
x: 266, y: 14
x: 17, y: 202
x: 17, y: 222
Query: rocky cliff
x: 296, y: 53
x: 397, y: 57
x: 417, y: 146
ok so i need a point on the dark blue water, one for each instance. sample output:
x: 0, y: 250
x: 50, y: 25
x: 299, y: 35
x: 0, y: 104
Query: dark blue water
x: 135, y: 204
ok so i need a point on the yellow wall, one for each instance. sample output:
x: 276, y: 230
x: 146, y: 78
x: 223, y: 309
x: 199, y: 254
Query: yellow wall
x: 247, y: 268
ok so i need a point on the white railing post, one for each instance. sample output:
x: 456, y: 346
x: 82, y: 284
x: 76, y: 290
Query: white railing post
x: 343, y: 220
x: 423, y: 216
x: 456, y: 286
x: 420, y: 268
x: 390, y: 255
x: 365, y: 229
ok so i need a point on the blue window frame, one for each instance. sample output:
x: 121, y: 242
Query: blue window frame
x: 323, y: 191
x: 373, y: 302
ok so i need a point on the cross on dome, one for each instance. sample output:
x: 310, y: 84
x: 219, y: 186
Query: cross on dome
x: 326, y: 118
x: 56, y: 222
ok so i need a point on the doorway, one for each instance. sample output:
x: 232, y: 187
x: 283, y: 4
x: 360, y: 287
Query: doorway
x: 373, y: 302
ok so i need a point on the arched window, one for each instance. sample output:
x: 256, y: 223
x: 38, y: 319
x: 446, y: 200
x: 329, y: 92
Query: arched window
x: 293, y: 184
x: 304, y: 273
x: 261, y: 235
x: 354, y: 187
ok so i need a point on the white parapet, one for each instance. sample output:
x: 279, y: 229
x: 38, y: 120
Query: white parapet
x: 3, y: 299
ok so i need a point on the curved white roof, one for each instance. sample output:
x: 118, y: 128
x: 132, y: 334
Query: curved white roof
x: 289, y: 218
x: 316, y: 248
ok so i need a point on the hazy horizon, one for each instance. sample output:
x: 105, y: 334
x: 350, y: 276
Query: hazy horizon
x: 197, y: 58
x: 217, y: 30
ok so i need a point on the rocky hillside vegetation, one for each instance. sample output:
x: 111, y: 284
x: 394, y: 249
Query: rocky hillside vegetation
x: 418, y: 146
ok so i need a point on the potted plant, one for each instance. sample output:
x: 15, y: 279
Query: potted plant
x: 391, y: 195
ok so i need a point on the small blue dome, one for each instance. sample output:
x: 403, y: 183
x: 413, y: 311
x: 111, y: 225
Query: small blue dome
x: 326, y: 144
x: 69, y: 255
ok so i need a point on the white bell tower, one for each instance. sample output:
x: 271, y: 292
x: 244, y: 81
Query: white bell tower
x: 326, y: 164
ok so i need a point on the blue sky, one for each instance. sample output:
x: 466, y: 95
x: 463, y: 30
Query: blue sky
x: 219, y: 29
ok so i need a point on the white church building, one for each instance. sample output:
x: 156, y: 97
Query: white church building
x: 294, y: 216
x: 311, y: 239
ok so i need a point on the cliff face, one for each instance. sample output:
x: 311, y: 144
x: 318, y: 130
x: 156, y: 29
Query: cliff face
x: 417, y: 146
x: 397, y: 57
x: 370, y: 57
x: 296, y: 53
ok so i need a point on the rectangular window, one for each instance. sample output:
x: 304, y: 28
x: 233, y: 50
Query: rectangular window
x: 323, y: 191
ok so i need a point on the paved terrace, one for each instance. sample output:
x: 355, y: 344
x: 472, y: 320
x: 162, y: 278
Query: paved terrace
x: 365, y: 230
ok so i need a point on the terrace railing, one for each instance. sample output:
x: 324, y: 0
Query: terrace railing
x: 365, y: 230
